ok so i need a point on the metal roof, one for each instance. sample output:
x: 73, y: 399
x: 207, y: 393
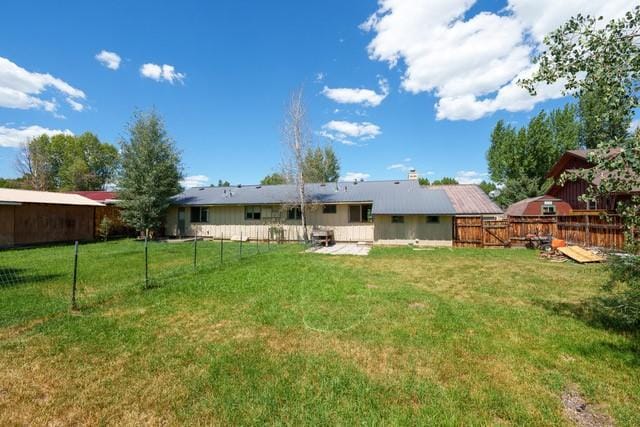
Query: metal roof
x: 10, y: 195
x: 403, y: 197
x: 470, y: 200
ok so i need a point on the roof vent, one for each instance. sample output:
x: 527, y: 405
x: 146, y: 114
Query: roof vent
x: 323, y: 185
x: 396, y: 182
x: 239, y: 185
x: 201, y: 188
x: 258, y: 186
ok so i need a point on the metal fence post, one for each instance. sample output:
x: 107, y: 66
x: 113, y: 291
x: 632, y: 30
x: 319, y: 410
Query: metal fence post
x: 146, y: 261
x: 74, y: 305
x: 257, y: 242
x: 221, y: 248
x: 195, y: 250
x: 241, y: 245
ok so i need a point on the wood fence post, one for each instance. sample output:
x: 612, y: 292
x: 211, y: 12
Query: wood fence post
x: 482, y: 231
x: 587, y: 230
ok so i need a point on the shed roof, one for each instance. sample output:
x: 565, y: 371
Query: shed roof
x: 107, y: 197
x: 470, y: 200
x: 519, y: 208
x: 403, y: 197
x: 13, y: 196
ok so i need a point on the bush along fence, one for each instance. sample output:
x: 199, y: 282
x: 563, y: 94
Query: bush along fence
x: 591, y: 229
x: 84, y: 274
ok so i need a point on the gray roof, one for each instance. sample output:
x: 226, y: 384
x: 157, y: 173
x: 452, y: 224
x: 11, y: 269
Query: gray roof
x: 388, y: 197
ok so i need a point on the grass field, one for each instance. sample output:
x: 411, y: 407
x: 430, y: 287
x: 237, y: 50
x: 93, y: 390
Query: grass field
x: 399, y: 337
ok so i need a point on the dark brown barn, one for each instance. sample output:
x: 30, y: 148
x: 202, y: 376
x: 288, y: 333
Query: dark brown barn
x: 571, y: 191
x: 545, y: 205
x: 36, y: 217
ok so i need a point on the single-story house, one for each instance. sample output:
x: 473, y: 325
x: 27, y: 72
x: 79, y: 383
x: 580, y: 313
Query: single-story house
x: 570, y: 191
x: 544, y: 205
x: 391, y: 212
x: 33, y: 217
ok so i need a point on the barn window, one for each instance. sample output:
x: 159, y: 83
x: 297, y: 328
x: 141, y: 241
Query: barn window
x: 294, y: 213
x: 548, y: 209
x: 592, y: 205
x: 397, y: 219
x: 433, y: 219
x: 252, y: 212
x: 199, y: 214
x: 329, y: 209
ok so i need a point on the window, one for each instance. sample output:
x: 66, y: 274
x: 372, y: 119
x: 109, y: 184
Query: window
x: 548, y: 210
x: 592, y: 205
x: 294, y: 213
x: 433, y: 220
x: 397, y: 219
x: 252, y: 212
x: 360, y: 213
x: 329, y: 209
x: 199, y: 214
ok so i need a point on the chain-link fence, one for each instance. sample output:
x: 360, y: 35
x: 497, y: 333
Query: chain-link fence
x: 83, y: 275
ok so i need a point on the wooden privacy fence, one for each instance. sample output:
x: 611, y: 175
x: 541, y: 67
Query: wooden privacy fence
x: 479, y: 232
x: 584, y: 229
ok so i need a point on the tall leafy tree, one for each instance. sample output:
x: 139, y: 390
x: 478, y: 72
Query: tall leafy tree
x: 150, y: 174
x: 519, y: 159
x: 321, y: 165
x: 67, y: 162
x: 275, y: 178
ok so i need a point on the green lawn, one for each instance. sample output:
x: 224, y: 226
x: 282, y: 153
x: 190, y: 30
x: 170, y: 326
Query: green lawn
x: 281, y: 337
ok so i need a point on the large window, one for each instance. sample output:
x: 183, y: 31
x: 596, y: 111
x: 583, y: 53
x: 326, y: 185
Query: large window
x: 360, y: 213
x: 199, y: 214
x: 397, y: 219
x: 294, y: 213
x: 329, y: 209
x: 433, y: 219
x: 252, y: 212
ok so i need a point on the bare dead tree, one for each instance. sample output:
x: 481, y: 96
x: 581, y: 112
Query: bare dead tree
x: 296, y: 138
x: 33, y: 166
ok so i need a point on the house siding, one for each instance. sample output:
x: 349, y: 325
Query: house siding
x: 229, y: 221
x: 415, y: 227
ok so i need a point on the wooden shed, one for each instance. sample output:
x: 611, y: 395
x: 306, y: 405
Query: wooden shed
x: 37, y: 217
x: 545, y: 205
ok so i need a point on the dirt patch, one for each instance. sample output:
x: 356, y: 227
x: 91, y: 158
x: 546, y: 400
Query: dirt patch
x: 372, y: 287
x: 580, y: 412
x: 417, y: 306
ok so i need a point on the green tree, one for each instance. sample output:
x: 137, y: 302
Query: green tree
x: 150, y: 174
x: 600, y: 65
x: 222, y: 183
x: 275, y: 178
x: 423, y: 181
x: 321, y: 165
x: 519, y: 159
x: 487, y: 186
x: 12, y: 183
x: 445, y: 181
x: 67, y: 162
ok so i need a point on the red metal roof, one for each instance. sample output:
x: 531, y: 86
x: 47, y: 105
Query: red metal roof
x: 98, y: 196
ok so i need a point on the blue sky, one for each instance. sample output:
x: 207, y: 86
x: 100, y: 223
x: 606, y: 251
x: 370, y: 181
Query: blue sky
x: 390, y: 85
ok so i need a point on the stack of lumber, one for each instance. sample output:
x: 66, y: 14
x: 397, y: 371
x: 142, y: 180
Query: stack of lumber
x: 580, y: 255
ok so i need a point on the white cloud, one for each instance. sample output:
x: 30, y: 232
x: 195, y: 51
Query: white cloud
x: 74, y: 104
x: 20, y: 88
x: 400, y: 166
x: 14, y: 137
x: 320, y: 77
x: 343, y: 131
x: 635, y: 124
x: 354, y: 176
x: 195, y: 181
x: 110, y: 60
x: 161, y: 72
x: 472, y: 63
x: 470, y: 177
x: 366, y: 97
